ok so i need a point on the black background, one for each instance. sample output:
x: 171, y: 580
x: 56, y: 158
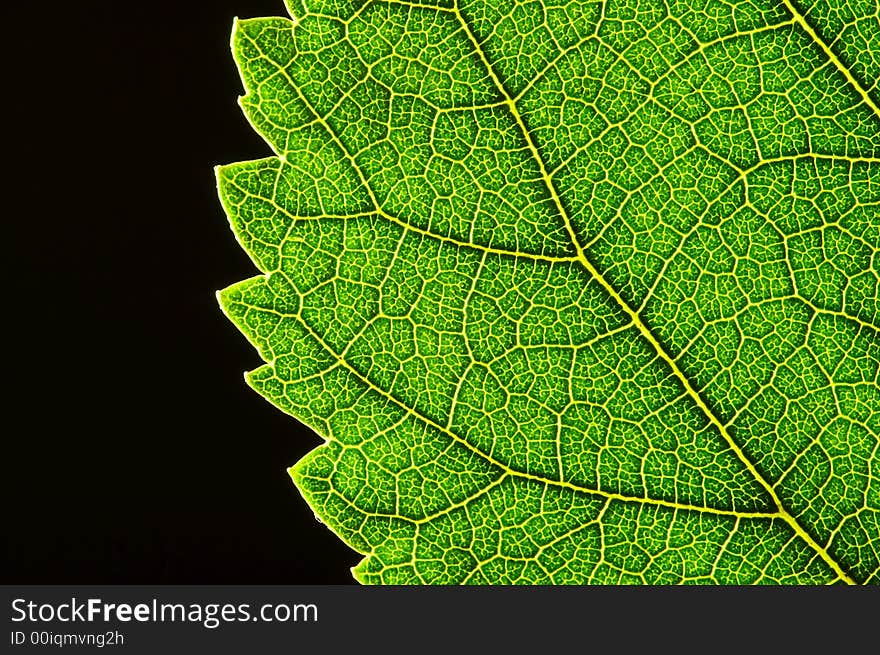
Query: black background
x: 134, y: 452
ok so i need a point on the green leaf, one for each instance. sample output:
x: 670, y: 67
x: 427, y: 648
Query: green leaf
x: 575, y: 291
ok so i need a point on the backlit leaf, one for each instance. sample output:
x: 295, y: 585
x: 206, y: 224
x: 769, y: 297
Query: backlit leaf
x: 575, y: 291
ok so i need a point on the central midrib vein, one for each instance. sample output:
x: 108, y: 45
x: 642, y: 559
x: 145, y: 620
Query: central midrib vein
x: 634, y: 316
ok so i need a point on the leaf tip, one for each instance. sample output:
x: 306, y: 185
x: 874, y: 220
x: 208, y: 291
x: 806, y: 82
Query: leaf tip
x: 219, y: 181
x: 233, y: 32
x: 293, y: 472
x: 220, y: 295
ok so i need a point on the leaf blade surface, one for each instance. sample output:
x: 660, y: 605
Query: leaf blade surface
x: 576, y: 291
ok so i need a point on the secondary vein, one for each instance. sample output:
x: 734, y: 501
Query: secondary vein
x: 801, y: 20
x: 636, y: 318
x: 514, y: 472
